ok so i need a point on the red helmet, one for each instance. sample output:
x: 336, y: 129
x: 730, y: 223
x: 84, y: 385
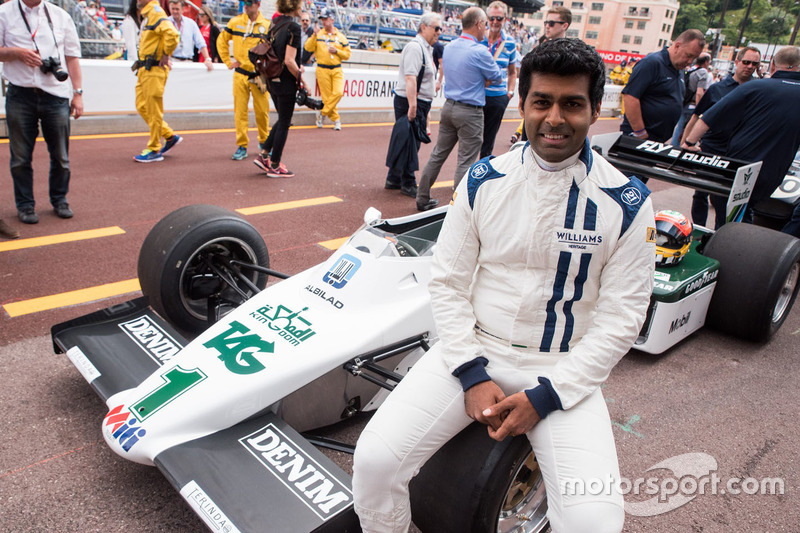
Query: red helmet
x: 674, y: 234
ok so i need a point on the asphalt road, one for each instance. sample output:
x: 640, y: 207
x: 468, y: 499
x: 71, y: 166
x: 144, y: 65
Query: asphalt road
x: 732, y: 401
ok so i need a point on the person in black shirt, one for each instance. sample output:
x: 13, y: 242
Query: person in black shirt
x: 283, y: 89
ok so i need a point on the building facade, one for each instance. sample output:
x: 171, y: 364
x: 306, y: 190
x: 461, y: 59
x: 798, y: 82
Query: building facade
x: 636, y: 27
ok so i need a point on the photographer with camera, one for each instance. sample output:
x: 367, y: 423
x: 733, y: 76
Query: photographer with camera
x: 34, y: 38
x: 157, y: 40
x: 285, y: 33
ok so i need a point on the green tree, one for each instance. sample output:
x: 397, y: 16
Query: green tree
x: 691, y: 15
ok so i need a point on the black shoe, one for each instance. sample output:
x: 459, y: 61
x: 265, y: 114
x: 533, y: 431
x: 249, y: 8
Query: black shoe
x: 430, y: 204
x: 27, y: 215
x: 390, y: 185
x: 409, y: 191
x: 63, y: 210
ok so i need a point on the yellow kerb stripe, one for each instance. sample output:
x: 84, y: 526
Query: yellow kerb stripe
x: 60, y: 238
x: 440, y: 184
x: 64, y: 299
x: 269, y: 208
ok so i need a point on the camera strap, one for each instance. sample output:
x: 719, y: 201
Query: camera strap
x: 28, y: 26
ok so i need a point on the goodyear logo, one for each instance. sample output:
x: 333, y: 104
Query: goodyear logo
x: 149, y: 336
x: 317, y: 488
x: 342, y: 272
x: 290, y: 326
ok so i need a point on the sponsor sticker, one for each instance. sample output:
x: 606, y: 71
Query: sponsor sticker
x: 312, y: 484
x: 237, y: 349
x: 479, y: 170
x: 82, y: 363
x: 123, y: 428
x: 661, y: 276
x: 342, y: 272
x: 631, y: 196
x: 651, y: 234
x: 324, y: 295
x: 205, y: 507
x: 151, y: 338
x: 290, y: 326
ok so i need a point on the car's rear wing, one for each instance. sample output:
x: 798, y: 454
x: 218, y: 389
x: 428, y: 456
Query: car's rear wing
x: 709, y: 173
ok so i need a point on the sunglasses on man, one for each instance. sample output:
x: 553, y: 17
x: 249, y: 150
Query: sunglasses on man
x: 552, y: 23
x: 750, y: 63
x: 497, y: 19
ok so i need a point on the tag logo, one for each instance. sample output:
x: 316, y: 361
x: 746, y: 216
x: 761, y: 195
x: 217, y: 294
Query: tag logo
x: 238, y: 350
x: 317, y: 488
x: 651, y: 234
x: 342, y: 272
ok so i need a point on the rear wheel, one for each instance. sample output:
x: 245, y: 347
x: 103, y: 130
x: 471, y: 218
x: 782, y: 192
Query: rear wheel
x: 757, y: 283
x: 189, y: 265
x: 476, y: 484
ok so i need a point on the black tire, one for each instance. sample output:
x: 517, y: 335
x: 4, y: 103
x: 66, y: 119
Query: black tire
x: 174, y: 270
x: 475, y: 484
x: 757, y: 282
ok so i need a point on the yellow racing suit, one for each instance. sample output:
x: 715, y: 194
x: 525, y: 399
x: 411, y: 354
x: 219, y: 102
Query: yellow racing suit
x: 330, y: 78
x: 245, y: 34
x: 158, y: 38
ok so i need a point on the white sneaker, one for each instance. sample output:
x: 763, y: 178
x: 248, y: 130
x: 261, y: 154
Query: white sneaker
x: 337, y: 126
x: 319, y: 119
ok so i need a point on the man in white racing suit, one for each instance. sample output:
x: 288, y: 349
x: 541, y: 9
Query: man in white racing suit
x: 542, y: 276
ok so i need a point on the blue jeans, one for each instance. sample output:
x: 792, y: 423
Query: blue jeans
x: 25, y: 109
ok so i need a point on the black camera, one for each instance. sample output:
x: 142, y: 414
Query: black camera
x: 52, y: 65
x: 308, y: 101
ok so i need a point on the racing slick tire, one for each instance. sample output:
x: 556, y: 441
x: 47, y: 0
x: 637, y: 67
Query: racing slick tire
x: 757, y: 282
x: 183, y: 257
x: 475, y: 484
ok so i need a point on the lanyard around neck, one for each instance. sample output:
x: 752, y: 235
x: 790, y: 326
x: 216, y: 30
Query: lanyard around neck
x: 33, y: 34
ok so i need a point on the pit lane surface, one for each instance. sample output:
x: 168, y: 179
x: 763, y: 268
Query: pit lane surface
x: 734, y: 401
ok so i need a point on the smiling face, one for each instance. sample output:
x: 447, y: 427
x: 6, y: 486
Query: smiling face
x: 496, y: 20
x: 431, y: 33
x: 558, y: 113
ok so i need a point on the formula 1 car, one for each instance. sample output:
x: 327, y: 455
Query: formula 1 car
x: 228, y: 416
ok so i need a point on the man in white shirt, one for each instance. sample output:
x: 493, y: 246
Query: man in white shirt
x: 191, y: 37
x: 37, y: 40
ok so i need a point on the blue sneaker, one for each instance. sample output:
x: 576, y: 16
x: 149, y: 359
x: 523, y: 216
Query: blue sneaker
x: 170, y: 143
x: 240, y: 154
x: 148, y: 156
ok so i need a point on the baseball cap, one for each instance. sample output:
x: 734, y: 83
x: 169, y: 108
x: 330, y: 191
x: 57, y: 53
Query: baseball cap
x: 325, y: 13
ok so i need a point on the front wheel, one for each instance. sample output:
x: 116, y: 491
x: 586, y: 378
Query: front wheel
x: 193, y: 264
x: 475, y: 484
x: 757, y: 283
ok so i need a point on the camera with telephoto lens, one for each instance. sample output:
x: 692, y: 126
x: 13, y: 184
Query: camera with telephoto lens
x: 52, y: 65
x: 308, y: 101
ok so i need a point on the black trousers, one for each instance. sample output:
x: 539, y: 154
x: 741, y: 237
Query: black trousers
x: 406, y: 178
x: 493, y: 113
x: 284, y: 105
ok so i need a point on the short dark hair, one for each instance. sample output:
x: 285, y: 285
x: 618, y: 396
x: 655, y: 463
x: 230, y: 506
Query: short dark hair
x: 746, y: 49
x: 564, y: 57
x: 563, y: 13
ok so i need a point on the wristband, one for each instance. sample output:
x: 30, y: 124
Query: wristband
x: 687, y: 143
x: 640, y: 131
